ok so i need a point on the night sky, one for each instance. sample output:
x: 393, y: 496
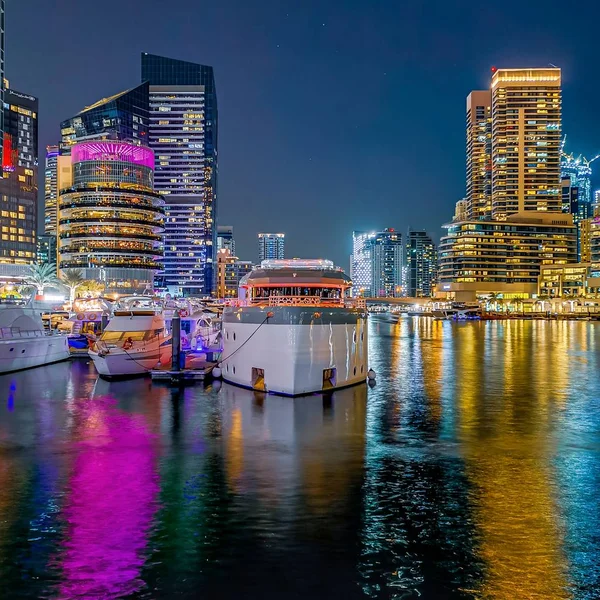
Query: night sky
x: 334, y: 116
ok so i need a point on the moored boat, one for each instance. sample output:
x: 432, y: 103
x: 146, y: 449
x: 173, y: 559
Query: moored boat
x: 294, y: 331
x: 134, y: 341
x: 23, y: 341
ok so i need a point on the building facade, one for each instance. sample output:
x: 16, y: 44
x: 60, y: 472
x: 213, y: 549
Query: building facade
x: 19, y: 183
x: 183, y: 133
x: 584, y: 231
x: 271, y: 245
x: 482, y: 257
x: 50, y: 190
x: 229, y: 272
x: 501, y: 251
x: 479, y: 160
x: 2, y: 84
x: 110, y: 218
x: 225, y: 238
x: 526, y: 141
x: 377, y: 264
x: 46, y: 249
x: 421, y: 264
x: 122, y: 117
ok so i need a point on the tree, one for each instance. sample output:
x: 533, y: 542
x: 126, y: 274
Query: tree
x: 92, y: 288
x: 72, y: 279
x: 41, y: 276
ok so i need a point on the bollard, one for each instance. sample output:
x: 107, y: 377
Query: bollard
x: 176, y: 342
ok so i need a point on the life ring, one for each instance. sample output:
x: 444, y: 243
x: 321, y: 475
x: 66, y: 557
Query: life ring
x: 128, y: 344
x: 183, y: 313
x: 80, y: 316
x: 92, y: 317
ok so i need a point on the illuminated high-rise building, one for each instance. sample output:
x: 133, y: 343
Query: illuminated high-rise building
x: 121, y: 117
x: 526, y: 141
x: 19, y: 184
x: 110, y: 218
x: 225, y: 238
x: 360, y: 264
x: 377, y: 263
x: 479, y: 150
x: 501, y: 251
x: 183, y: 135
x: 421, y: 263
x: 2, y: 84
x: 271, y: 245
x: 50, y: 190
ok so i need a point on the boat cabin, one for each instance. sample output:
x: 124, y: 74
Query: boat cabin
x: 295, y: 282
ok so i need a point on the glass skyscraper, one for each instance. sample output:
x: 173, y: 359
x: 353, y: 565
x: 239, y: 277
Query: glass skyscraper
x: 122, y: 117
x: 1, y: 74
x: 271, y: 245
x: 421, y: 263
x: 377, y: 259
x: 183, y: 134
x: 18, y: 185
x: 50, y: 190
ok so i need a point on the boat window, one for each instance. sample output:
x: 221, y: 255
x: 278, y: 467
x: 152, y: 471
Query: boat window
x: 114, y: 336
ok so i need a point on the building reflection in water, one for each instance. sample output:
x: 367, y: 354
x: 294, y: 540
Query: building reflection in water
x: 111, y: 499
x: 470, y: 469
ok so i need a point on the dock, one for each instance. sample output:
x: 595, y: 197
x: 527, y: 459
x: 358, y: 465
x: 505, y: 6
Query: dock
x: 199, y: 373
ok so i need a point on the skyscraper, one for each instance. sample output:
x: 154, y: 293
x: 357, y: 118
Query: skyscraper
x: 377, y: 261
x: 360, y: 262
x: 386, y: 263
x: 50, y: 190
x: 1, y: 77
x: 502, y: 250
x: 526, y: 141
x: 271, y: 245
x: 421, y: 262
x: 110, y: 217
x: 122, y: 117
x: 183, y: 135
x: 479, y: 149
x: 225, y: 238
x: 18, y: 185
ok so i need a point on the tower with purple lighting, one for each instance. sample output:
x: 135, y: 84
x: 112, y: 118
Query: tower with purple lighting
x: 110, y: 219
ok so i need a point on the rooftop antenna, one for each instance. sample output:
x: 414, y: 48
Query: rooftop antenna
x: 553, y: 66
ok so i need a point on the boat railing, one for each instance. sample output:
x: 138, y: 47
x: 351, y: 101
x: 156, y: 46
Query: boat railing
x: 300, y: 301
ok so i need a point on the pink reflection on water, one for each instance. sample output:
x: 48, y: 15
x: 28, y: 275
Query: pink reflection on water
x: 113, y: 497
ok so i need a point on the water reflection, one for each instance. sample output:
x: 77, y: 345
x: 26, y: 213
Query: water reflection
x: 471, y: 469
x: 113, y: 482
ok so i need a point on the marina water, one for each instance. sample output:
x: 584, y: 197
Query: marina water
x: 470, y: 470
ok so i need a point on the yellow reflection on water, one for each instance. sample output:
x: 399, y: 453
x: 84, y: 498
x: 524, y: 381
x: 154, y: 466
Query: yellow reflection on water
x: 504, y: 430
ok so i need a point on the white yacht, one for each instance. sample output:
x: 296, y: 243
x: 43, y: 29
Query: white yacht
x: 23, y: 341
x: 293, y: 331
x: 200, y: 326
x: 135, y: 340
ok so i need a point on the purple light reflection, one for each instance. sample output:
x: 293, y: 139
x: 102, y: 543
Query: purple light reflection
x: 113, y: 497
x: 112, y: 151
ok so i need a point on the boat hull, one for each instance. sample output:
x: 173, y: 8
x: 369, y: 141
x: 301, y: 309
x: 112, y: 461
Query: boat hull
x: 121, y: 363
x: 297, y: 350
x: 26, y: 353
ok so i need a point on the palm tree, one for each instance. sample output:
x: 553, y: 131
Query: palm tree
x: 41, y: 276
x: 72, y: 279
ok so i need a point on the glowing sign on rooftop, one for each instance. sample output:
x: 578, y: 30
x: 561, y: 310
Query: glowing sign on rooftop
x: 112, y: 151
